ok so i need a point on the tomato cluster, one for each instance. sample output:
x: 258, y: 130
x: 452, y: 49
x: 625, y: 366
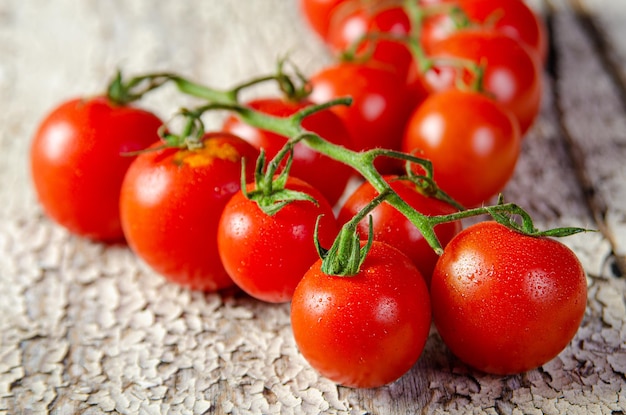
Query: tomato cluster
x: 493, y: 48
x: 263, y: 202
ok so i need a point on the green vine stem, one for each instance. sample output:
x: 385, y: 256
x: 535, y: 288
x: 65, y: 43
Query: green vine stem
x: 363, y: 162
x: 346, y: 255
x: 292, y: 127
x: 122, y: 91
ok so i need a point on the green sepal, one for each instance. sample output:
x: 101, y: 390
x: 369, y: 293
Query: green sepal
x: 278, y: 199
x: 345, y: 256
x: 270, y: 193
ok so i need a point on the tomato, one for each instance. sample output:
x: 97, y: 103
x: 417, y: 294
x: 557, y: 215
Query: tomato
x: 365, y: 330
x: 77, y: 162
x: 325, y: 174
x: 266, y: 256
x: 394, y: 228
x: 351, y: 24
x: 381, y: 105
x: 512, y: 18
x: 171, y: 202
x: 471, y: 141
x: 318, y: 14
x: 512, y: 74
x: 504, y: 302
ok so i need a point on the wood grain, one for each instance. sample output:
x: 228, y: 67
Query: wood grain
x: 86, y: 328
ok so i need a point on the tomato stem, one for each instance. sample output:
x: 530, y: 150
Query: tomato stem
x: 123, y: 93
x: 292, y: 127
x: 346, y: 255
x: 425, y: 63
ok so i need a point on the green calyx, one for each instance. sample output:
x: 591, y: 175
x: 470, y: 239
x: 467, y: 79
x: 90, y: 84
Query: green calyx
x: 270, y: 192
x: 346, y: 255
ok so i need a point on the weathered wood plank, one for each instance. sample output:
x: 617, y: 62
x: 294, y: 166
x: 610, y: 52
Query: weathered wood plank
x: 591, y: 100
x: 89, y: 329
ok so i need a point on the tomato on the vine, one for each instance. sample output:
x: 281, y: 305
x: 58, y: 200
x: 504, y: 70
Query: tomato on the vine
x: 266, y: 256
x: 511, y: 73
x: 319, y: 14
x: 322, y: 172
x: 77, y: 162
x: 365, y: 330
x: 392, y: 227
x: 472, y: 142
x: 380, y: 108
x: 171, y: 202
x: 513, y: 18
x: 504, y: 302
x: 391, y: 25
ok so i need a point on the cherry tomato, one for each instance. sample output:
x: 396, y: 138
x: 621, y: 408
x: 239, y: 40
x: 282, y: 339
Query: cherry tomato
x: 381, y: 105
x: 472, y: 142
x: 512, y: 74
x: 77, y: 162
x: 504, y: 302
x: 267, y: 255
x: 355, y: 20
x: 171, y: 202
x: 325, y: 174
x: 394, y: 228
x: 365, y: 330
x: 318, y: 14
x: 513, y: 18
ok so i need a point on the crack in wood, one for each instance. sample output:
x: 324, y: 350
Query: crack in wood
x: 596, y: 205
x: 605, y: 52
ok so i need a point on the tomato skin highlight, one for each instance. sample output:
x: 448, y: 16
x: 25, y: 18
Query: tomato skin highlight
x: 171, y: 202
x: 392, y: 227
x: 266, y: 256
x: 322, y: 172
x: 504, y: 302
x: 77, y: 163
x: 472, y: 142
x: 366, y: 330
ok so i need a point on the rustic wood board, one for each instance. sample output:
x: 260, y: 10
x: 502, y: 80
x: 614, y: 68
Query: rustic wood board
x: 86, y: 328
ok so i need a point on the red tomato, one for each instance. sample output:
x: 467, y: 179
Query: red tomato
x: 171, y: 202
x: 381, y: 105
x: 266, y: 255
x: 394, y: 228
x: 318, y: 14
x: 512, y: 18
x: 504, y: 302
x: 77, y: 163
x: 365, y: 330
x: 356, y: 20
x: 471, y: 141
x: 325, y: 174
x: 512, y: 74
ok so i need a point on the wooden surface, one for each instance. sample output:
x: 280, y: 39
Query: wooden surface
x: 86, y: 328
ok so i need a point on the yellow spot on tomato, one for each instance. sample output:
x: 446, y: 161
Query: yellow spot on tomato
x: 212, y: 149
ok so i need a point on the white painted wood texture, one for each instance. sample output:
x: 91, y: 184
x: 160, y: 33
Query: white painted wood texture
x: 86, y: 328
